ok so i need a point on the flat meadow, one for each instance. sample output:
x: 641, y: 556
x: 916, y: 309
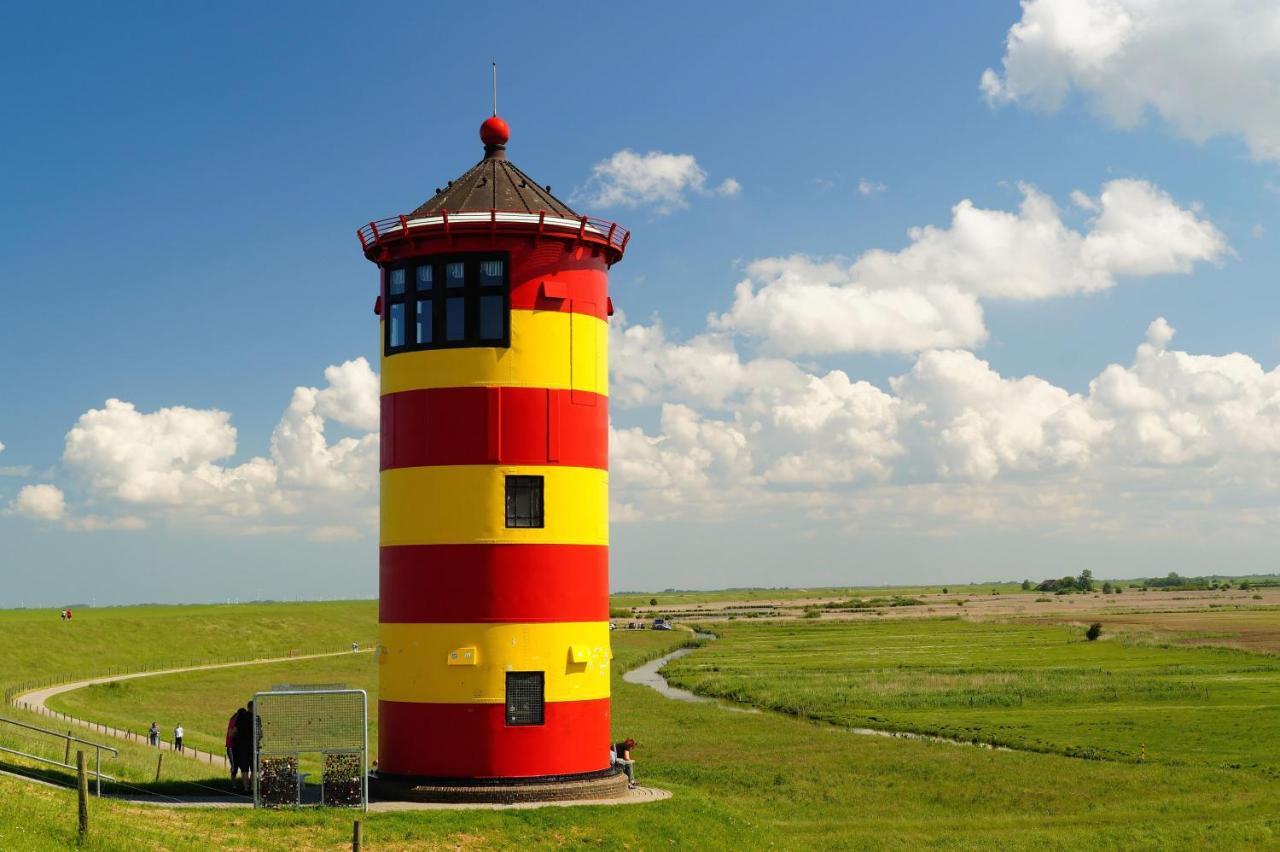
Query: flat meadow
x: 739, y: 780
x: 1033, y: 686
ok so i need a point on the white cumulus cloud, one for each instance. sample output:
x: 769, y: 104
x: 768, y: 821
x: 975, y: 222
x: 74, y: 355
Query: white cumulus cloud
x: 1207, y: 68
x: 41, y: 502
x: 950, y: 440
x: 178, y: 462
x: 654, y: 179
x: 928, y: 295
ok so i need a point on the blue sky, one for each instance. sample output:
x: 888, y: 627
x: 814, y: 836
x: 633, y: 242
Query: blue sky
x: 180, y: 186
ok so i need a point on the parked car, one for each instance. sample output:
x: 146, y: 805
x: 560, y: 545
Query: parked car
x: 661, y: 624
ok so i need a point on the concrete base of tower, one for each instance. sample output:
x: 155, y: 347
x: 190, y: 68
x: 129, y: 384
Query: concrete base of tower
x: 606, y: 784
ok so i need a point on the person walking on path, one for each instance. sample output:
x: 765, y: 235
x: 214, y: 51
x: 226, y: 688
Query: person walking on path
x: 242, y: 746
x: 621, y: 756
x: 153, y: 735
x: 229, y: 741
x: 177, y: 737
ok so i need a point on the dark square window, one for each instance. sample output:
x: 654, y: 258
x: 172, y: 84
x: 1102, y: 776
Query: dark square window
x: 525, y: 692
x: 524, y: 501
x: 447, y: 302
x: 455, y: 319
x: 491, y: 313
x: 455, y: 274
x: 491, y: 273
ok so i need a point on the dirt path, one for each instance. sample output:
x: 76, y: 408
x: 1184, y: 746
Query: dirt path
x: 36, y: 701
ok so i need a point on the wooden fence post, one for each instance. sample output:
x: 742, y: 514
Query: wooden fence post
x: 356, y: 837
x: 82, y: 792
x: 66, y: 757
x: 159, y: 762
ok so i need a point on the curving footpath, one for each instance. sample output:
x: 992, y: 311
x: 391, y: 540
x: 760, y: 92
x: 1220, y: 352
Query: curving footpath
x: 36, y: 699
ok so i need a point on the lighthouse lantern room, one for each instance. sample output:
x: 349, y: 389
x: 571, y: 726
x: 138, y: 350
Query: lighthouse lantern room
x: 493, y: 651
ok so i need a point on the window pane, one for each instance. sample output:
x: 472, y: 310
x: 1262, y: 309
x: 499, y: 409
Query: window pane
x: 455, y: 319
x: 524, y: 501
x: 490, y: 273
x: 454, y: 275
x: 424, y: 277
x: 395, y: 282
x: 526, y: 698
x: 490, y: 317
x: 396, y: 331
x: 424, y: 321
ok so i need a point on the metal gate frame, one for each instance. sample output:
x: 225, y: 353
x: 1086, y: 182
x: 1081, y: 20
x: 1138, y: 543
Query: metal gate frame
x: 364, y: 733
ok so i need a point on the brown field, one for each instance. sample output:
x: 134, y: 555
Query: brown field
x: 1256, y: 630
x: 1242, y: 619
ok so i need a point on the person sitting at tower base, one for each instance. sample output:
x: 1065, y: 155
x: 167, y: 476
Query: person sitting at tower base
x: 620, y: 755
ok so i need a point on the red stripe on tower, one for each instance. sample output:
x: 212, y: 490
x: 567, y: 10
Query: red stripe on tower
x: 462, y: 583
x: 474, y: 741
x: 493, y: 425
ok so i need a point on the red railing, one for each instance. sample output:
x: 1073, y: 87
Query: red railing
x: 399, y: 227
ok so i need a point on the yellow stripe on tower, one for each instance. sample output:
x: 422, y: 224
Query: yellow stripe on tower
x: 468, y: 663
x: 466, y: 504
x: 549, y: 349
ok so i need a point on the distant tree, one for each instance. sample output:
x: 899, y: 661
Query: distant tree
x: 1094, y: 631
x: 653, y: 601
x: 1085, y: 581
x: 1026, y: 585
x: 1107, y: 588
x: 1244, y: 585
x: 1119, y: 589
x: 945, y: 590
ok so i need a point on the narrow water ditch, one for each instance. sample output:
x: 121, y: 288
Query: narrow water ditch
x: 650, y: 675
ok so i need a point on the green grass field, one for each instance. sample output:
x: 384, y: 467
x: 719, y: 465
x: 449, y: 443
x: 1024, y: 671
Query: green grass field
x: 739, y: 780
x: 203, y: 701
x: 1026, y: 685
x: 35, y: 645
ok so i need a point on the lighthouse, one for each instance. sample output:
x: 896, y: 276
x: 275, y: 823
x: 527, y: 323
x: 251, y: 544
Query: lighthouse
x: 493, y: 652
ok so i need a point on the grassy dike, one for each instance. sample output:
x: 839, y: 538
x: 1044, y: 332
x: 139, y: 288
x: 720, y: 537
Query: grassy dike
x: 748, y: 781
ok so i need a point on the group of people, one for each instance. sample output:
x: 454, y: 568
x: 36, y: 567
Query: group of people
x: 64, y: 614
x: 239, y: 742
x: 153, y: 736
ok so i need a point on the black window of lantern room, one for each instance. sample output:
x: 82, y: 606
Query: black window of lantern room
x: 447, y: 302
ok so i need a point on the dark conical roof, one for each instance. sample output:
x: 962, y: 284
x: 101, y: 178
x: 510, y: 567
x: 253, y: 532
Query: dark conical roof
x: 494, y: 183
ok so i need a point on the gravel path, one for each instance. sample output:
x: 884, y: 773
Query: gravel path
x: 36, y: 701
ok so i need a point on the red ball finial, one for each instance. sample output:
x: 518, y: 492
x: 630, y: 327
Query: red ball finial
x: 494, y: 131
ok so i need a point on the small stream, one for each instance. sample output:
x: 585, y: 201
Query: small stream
x: 650, y: 675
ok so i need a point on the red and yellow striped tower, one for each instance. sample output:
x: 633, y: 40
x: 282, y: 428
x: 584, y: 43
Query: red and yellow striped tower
x: 494, y: 577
